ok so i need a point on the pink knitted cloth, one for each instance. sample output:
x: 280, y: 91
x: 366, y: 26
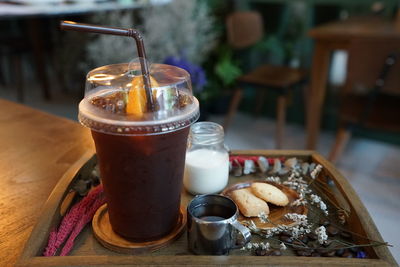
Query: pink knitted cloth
x: 73, y: 222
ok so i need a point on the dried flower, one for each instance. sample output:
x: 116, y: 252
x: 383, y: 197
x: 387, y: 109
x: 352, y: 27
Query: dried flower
x: 85, y: 219
x: 265, y: 246
x: 299, y: 202
x: 296, y: 182
x: 248, y: 246
x: 322, y: 205
x: 317, y: 200
x: 273, y: 179
x: 70, y: 221
x: 322, y: 236
x: 301, y: 184
x: 297, y: 218
x: 295, y: 232
x: 252, y: 226
x: 314, y: 173
x: 254, y: 246
x: 263, y: 217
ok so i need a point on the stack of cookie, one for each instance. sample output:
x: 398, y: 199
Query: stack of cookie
x: 252, y: 201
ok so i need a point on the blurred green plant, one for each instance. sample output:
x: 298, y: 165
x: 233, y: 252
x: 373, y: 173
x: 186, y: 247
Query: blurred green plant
x: 222, y: 71
x: 268, y: 50
x: 227, y: 69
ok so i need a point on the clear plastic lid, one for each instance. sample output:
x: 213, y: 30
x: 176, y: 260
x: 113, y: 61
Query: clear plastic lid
x: 115, y: 100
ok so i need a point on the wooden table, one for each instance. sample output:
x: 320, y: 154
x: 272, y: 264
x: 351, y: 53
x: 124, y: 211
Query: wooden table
x: 36, y: 149
x: 334, y: 36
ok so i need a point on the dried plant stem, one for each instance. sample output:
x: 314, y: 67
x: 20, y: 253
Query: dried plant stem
x: 329, y: 199
x: 350, y: 245
x: 361, y: 236
x: 346, y: 245
x: 315, y: 192
x: 321, y: 187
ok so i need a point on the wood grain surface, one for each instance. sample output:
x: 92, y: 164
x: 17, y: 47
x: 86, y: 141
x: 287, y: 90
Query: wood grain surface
x: 36, y: 149
x: 89, y: 252
x: 334, y: 36
x: 108, y: 238
x: 371, y: 27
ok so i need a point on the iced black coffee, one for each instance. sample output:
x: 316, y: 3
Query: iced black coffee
x: 141, y: 153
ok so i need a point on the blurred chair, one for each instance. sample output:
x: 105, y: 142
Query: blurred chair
x: 244, y: 29
x: 12, y: 48
x: 371, y: 95
x: 18, y: 39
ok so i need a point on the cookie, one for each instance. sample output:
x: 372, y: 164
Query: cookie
x: 269, y: 193
x: 249, y: 205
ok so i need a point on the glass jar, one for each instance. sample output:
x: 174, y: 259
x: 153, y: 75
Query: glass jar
x: 207, y: 159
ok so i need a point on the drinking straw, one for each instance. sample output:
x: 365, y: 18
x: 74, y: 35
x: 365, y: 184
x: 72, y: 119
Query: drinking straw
x: 80, y: 27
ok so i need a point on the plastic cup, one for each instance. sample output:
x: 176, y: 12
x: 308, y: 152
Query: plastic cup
x: 141, y: 156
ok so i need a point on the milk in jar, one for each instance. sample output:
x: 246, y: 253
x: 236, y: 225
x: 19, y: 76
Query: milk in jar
x: 207, y: 160
x: 206, y: 171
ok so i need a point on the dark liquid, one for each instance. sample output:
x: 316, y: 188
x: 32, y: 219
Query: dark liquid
x: 212, y: 213
x: 212, y: 218
x: 142, y: 177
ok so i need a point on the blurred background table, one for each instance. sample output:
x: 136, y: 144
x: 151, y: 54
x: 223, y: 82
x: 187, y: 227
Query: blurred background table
x: 36, y: 150
x: 17, y: 8
x: 335, y: 36
x: 35, y: 17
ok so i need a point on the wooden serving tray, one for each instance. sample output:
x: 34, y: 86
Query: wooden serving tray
x: 88, y: 251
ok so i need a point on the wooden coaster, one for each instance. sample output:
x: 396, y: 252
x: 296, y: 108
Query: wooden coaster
x: 108, y: 238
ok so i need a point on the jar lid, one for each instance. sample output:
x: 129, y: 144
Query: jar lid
x: 206, y: 133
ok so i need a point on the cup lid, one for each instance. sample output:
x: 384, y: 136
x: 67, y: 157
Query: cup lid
x: 115, y: 100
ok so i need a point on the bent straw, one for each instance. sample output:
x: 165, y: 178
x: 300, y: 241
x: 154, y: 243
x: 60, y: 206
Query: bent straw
x: 80, y: 27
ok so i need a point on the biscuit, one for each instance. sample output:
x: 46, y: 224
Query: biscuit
x: 269, y: 193
x: 249, y: 205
